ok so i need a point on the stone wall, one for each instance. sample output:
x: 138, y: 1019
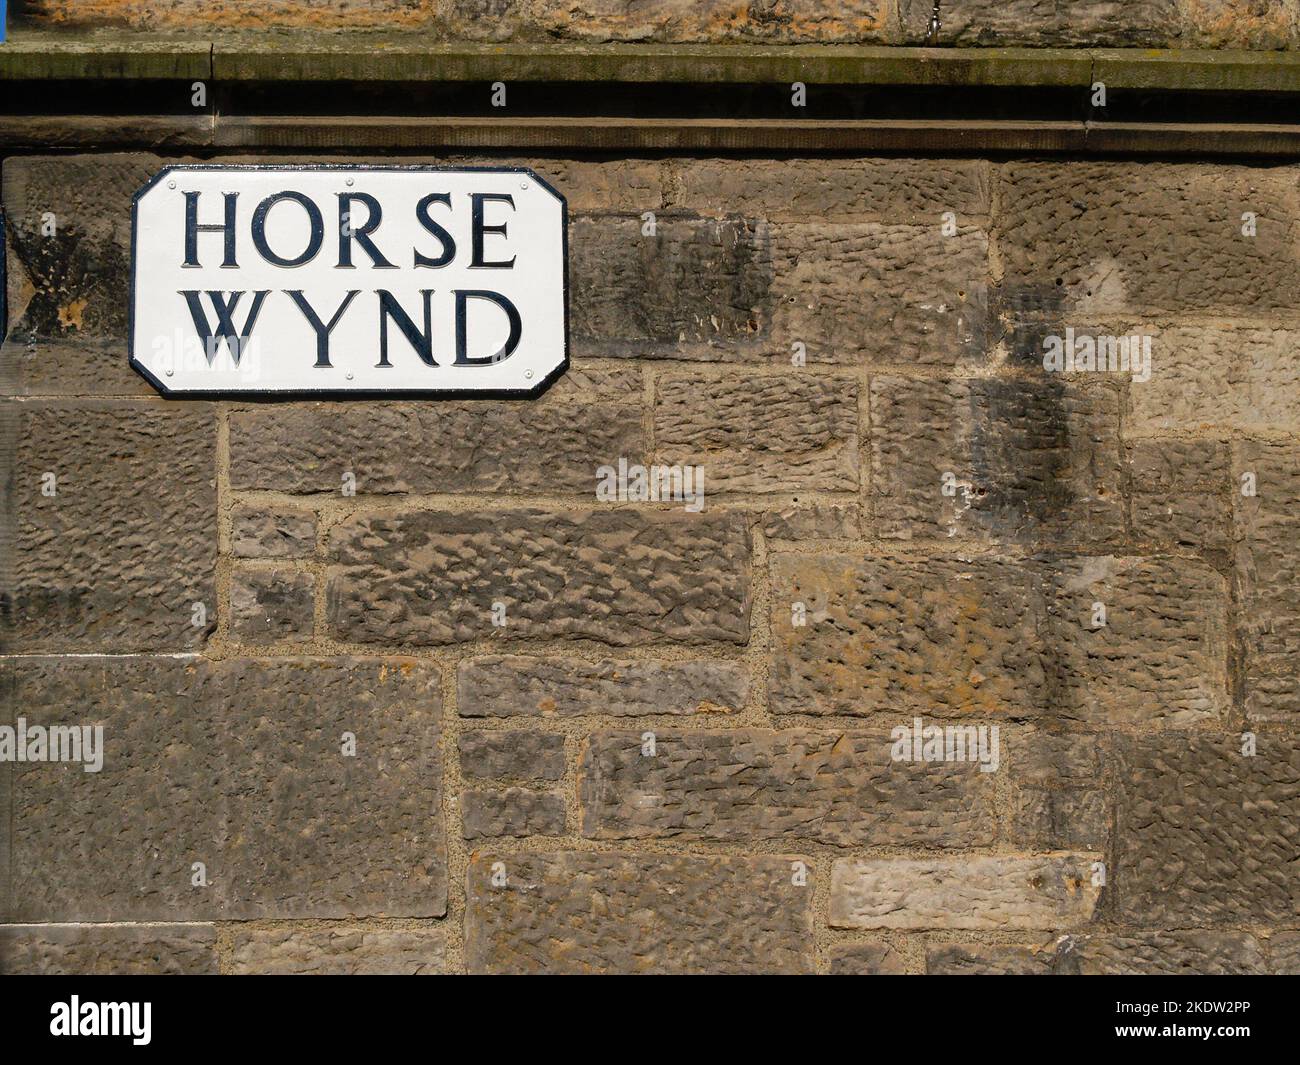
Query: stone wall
x: 1254, y: 24
x: 676, y: 753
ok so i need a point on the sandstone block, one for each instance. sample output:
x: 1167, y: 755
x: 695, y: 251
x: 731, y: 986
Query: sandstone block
x: 746, y: 784
x: 881, y: 293
x: 697, y: 288
x: 1003, y: 461
x: 513, y: 812
x: 1203, y: 833
x: 113, y: 518
x: 523, y: 686
x: 1041, y: 891
x: 1266, y: 532
x: 520, y: 754
x: 239, y: 765
x: 423, y: 578
x: 867, y: 959
x: 108, y: 950
x: 347, y: 952
x: 551, y: 445
x: 1146, y: 237
x: 616, y: 913
x: 269, y: 605
x: 760, y: 434
x: 257, y: 533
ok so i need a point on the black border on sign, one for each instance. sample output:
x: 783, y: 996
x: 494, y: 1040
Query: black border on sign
x: 533, y: 392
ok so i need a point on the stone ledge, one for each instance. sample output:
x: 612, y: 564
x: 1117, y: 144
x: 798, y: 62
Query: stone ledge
x: 314, y: 133
x: 377, y: 57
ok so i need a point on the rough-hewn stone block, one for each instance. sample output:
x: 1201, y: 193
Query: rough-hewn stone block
x: 1284, y: 949
x: 551, y: 445
x: 814, y: 521
x: 1062, y: 23
x: 1161, y: 655
x: 617, y: 576
x: 934, y: 636
x: 343, y: 952
x: 798, y: 784
x: 239, y: 765
x: 997, y: 460
x: 760, y: 434
x: 1204, y: 834
x: 1170, y: 954
x: 69, y: 222
x: 687, y: 21
x: 520, y: 754
x: 697, y: 287
x: 1219, y: 377
x: 117, y: 556
x: 997, y: 959
x: 999, y: 636
x: 897, y: 191
x: 1058, y: 797
x: 1066, y: 817
x: 78, y: 366
x: 268, y: 605
x: 520, y: 686
x: 1042, y: 891
x: 867, y: 959
x: 259, y: 533
x: 513, y: 812
x: 1267, y: 535
x: 1143, y: 237
x: 7, y: 689
x: 1055, y: 759
x: 189, y: 14
x: 881, y: 293
x: 1242, y: 23
x: 1250, y: 24
x: 1181, y: 492
x: 588, y: 185
x: 108, y: 950
x: 1160, y: 953
x: 1036, y: 334
x: 617, y: 913
x: 702, y: 21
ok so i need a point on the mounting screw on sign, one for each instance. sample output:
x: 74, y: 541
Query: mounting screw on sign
x: 338, y: 280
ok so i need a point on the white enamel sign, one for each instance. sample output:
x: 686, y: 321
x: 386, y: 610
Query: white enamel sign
x: 348, y: 280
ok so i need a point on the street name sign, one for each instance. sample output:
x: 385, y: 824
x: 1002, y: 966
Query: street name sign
x: 265, y: 281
